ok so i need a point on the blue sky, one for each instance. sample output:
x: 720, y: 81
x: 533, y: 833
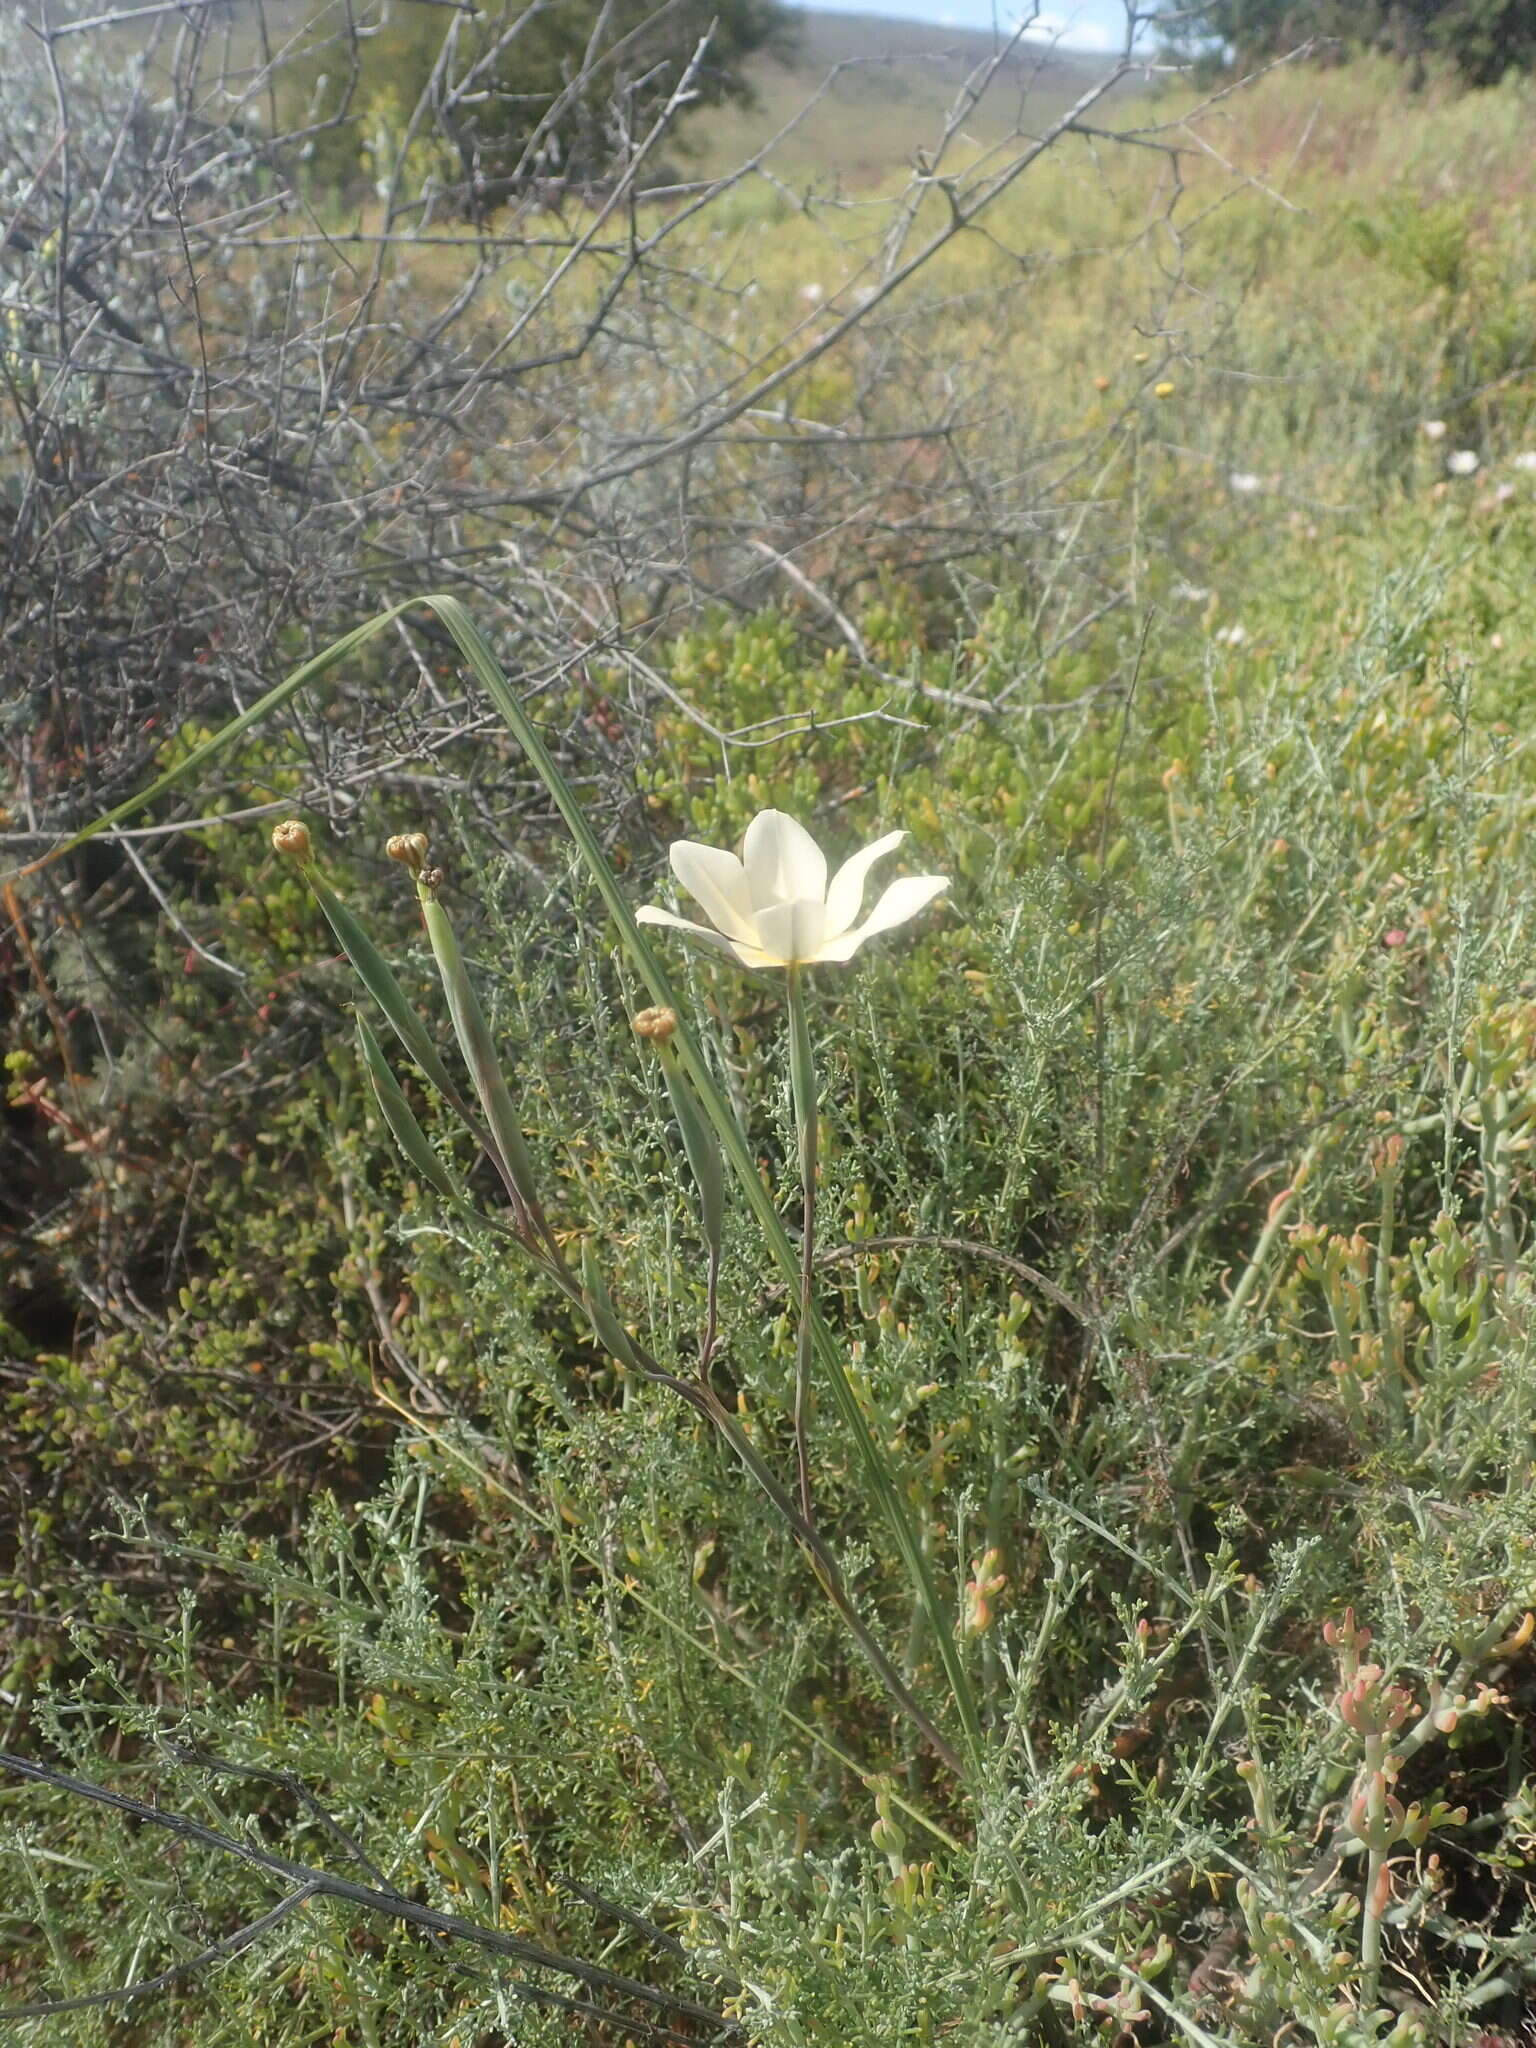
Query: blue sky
x: 1084, y: 24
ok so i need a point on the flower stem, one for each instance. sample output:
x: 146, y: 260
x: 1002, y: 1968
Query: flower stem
x: 802, y: 1076
x: 1377, y: 1883
x: 829, y: 1577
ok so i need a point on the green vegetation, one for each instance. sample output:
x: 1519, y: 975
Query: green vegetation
x: 1174, y: 1202
x: 513, y: 92
x: 1482, y: 40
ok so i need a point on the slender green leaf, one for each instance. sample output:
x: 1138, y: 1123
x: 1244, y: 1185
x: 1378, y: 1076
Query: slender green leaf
x: 398, y: 1114
x: 478, y: 1048
x: 604, y: 1317
x: 377, y: 976
x: 701, y: 1146
x: 308, y: 672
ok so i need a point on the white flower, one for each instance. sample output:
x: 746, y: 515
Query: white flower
x: 1432, y: 430
x: 1244, y: 482
x: 775, y: 908
x: 1233, y: 635
x: 1525, y: 460
x: 1464, y: 462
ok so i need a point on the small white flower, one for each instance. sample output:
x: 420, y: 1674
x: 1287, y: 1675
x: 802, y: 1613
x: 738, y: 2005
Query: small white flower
x: 1525, y: 460
x: 812, y: 294
x: 1244, y: 482
x: 774, y: 907
x: 1432, y: 430
x: 1233, y: 635
x: 1464, y: 462
x: 1190, y: 593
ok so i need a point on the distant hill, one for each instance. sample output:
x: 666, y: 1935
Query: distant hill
x: 895, y: 82
x: 826, y: 38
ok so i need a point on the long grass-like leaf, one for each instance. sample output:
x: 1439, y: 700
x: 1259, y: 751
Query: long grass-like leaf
x: 377, y: 976
x: 702, y: 1147
x: 479, y: 1050
x: 308, y: 672
x: 398, y: 1114
x: 602, y: 1314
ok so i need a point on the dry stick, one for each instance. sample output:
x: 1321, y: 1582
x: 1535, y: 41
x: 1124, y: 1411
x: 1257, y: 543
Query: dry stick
x: 963, y: 216
x: 392, y: 1904
x: 965, y: 1248
x: 113, y: 20
x: 145, y: 1987
x: 286, y: 1781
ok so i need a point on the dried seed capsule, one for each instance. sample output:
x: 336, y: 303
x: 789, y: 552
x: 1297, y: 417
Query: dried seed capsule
x: 293, y: 839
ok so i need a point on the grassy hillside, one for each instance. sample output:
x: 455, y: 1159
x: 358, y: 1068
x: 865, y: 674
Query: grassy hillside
x: 885, y: 89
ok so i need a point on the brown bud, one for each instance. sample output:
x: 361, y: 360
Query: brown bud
x: 409, y: 848
x: 292, y: 838
x: 657, y: 1025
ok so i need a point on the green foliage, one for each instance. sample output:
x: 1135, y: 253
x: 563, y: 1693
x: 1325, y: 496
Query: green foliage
x: 1482, y: 39
x: 515, y: 93
x: 1226, y: 1036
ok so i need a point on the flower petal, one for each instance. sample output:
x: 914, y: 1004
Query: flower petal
x: 754, y: 956
x: 845, y: 897
x: 718, y: 881
x: 902, y: 900
x: 783, y: 862
x: 649, y: 914
x: 792, y: 931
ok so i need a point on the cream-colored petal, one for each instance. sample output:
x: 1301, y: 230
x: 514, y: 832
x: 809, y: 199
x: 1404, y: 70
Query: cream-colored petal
x: 792, y: 931
x: 755, y: 957
x: 902, y: 900
x: 845, y: 896
x: 717, y: 881
x: 649, y: 914
x: 783, y: 862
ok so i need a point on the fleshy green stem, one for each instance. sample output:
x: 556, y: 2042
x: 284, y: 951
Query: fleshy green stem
x: 1376, y: 1881
x: 802, y: 1075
